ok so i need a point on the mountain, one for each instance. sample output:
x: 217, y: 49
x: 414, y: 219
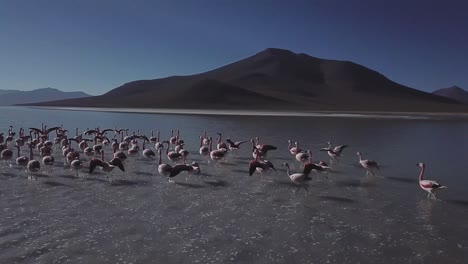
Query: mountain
x: 273, y: 79
x: 12, y: 97
x: 7, y: 91
x: 456, y: 93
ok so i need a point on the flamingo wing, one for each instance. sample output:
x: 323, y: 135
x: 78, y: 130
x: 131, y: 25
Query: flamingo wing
x: 118, y: 163
x: 267, y: 147
x: 36, y: 130
x: 94, y: 163
x: 90, y: 132
x: 253, y: 164
x: 270, y: 165
x: 309, y: 167
x: 106, y: 130
x: 238, y: 143
x: 430, y: 184
x: 178, y: 169
x: 340, y: 148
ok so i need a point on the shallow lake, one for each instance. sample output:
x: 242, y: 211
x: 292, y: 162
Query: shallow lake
x: 225, y: 216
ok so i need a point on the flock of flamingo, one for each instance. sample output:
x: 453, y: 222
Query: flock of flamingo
x: 93, y: 142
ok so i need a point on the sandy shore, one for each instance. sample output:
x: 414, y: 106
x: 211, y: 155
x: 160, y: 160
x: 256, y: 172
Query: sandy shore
x: 351, y: 114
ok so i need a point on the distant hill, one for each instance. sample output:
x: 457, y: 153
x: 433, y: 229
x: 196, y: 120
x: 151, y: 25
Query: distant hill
x: 12, y: 97
x: 456, y: 93
x: 7, y: 91
x: 273, y: 79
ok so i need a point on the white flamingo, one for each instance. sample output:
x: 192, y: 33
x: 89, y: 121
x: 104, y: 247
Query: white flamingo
x: 296, y: 178
x: 369, y: 165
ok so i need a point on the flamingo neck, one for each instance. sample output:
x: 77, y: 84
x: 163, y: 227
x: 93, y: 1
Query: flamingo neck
x: 158, y: 136
x: 160, y: 157
x: 18, y: 151
x: 167, y: 149
x: 211, y: 145
x: 201, y: 142
x: 310, y: 157
x: 421, y: 175
x: 289, y: 145
x: 102, y: 155
x: 360, y: 157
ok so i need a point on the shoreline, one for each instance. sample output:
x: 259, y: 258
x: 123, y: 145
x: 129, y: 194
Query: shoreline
x: 228, y: 112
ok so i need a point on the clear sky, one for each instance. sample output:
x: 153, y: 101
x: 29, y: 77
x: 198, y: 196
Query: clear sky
x: 97, y: 45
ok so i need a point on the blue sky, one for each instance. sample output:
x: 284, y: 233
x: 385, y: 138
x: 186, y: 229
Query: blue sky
x: 95, y: 46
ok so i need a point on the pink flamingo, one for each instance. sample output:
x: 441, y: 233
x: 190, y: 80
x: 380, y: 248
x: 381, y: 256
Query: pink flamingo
x: 429, y: 186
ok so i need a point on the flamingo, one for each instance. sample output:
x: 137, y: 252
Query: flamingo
x: 48, y: 162
x: 217, y: 155
x: 302, y: 157
x: 427, y: 185
x: 153, y: 139
x: 206, y: 140
x: 369, y: 165
x: 88, y: 151
x: 83, y: 144
x: 261, y: 166
x: 158, y: 144
x: 263, y: 148
x: 76, y: 165
x: 173, y: 139
x: 21, y: 161
x: 204, y: 150
x: 335, y: 152
x: 105, y: 166
x: 296, y: 178
x: 33, y: 165
x: 234, y: 146
x: 119, y: 154
x: 320, y: 167
x: 6, y: 154
x: 177, y: 169
x: 293, y: 150
x: 173, y: 156
x: 147, y: 153
x: 163, y: 168
x: 221, y: 145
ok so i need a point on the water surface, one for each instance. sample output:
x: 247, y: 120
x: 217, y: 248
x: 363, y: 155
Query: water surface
x: 225, y: 215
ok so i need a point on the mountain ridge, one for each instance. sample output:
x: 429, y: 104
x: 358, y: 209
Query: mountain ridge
x: 454, y: 92
x: 288, y: 80
x: 13, y: 97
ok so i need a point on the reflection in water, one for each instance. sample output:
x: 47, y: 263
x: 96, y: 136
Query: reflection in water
x: 424, y: 209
